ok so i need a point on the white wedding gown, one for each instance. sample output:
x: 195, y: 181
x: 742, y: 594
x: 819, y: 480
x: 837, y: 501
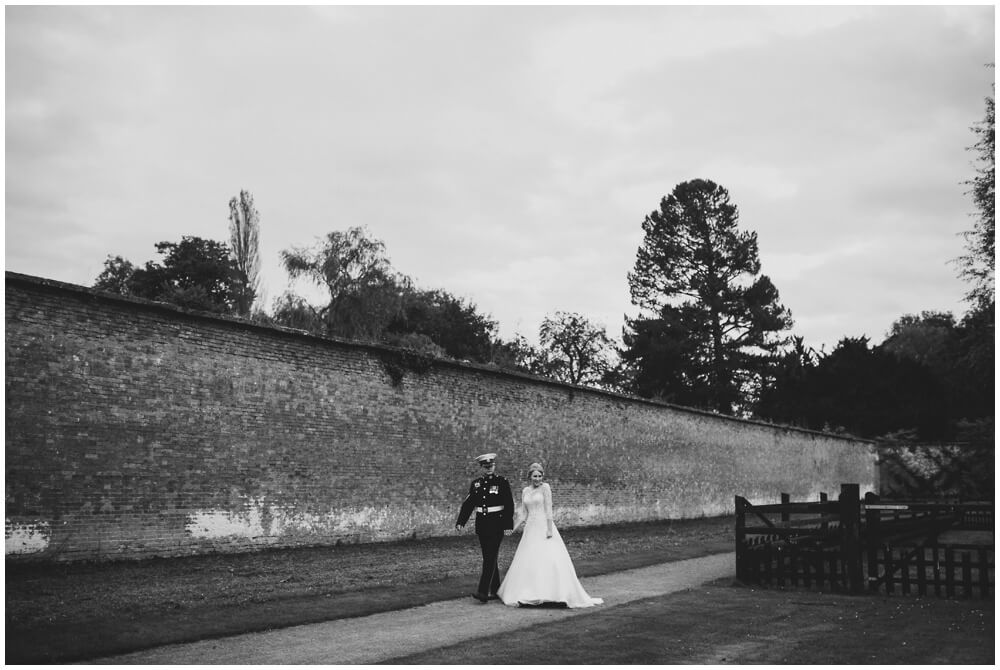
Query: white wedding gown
x: 541, y: 570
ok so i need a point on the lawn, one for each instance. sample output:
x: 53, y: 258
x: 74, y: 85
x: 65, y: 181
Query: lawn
x: 727, y: 623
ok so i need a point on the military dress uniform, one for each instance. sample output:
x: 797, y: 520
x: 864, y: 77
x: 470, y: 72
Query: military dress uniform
x: 492, y: 501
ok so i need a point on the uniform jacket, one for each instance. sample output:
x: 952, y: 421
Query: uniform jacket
x: 489, y: 491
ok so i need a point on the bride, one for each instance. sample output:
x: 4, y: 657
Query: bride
x: 541, y: 570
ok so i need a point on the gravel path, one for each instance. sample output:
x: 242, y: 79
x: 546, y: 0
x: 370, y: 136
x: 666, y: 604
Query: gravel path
x: 388, y: 635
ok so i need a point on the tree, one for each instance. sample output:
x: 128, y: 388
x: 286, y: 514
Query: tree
x: 449, y: 322
x: 365, y: 311
x: 116, y: 276
x: 244, y: 238
x: 579, y: 351
x: 925, y: 338
x: 712, y: 317
x: 866, y: 391
x: 516, y: 354
x: 961, y: 357
x: 977, y: 266
x: 364, y: 293
x: 974, y: 357
x: 976, y: 334
x: 343, y: 262
x: 293, y: 311
x: 784, y: 398
x: 195, y: 274
x: 929, y: 380
x: 660, y: 355
x: 369, y: 301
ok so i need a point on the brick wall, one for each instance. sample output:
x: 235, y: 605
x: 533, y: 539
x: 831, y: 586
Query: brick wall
x: 136, y: 429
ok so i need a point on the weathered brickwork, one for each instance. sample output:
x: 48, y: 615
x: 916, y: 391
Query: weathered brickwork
x: 135, y: 429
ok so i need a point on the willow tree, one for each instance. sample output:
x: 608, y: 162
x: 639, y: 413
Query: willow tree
x: 712, y: 324
x: 365, y: 294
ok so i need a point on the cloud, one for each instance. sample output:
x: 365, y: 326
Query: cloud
x: 506, y: 154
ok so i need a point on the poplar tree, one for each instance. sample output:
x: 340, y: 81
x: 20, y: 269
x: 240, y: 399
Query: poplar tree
x: 712, y: 324
x: 244, y: 240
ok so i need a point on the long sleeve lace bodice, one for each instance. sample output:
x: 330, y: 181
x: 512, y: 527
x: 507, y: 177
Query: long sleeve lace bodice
x: 536, y: 507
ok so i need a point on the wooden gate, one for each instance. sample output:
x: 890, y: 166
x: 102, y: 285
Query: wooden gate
x: 808, y: 544
x: 928, y: 547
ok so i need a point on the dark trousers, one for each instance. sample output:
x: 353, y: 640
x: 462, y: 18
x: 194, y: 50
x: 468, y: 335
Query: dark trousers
x: 489, y: 541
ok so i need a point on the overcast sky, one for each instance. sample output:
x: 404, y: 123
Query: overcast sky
x: 507, y: 154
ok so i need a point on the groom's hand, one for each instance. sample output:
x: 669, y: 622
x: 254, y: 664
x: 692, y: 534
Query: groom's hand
x: 458, y: 526
x: 508, y: 532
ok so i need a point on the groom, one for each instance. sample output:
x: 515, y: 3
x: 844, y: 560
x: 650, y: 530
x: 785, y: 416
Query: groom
x: 493, y: 503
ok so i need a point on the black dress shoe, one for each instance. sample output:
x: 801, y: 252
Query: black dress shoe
x: 494, y: 596
x: 480, y: 597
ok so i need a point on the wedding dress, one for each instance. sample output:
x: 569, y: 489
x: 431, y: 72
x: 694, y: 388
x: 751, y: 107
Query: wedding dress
x: 541, y: 570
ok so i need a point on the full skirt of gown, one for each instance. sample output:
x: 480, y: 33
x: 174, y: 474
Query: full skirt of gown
x: 541, y: 570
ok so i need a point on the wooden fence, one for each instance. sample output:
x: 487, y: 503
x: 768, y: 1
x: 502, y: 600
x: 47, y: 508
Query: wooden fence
x: 848, y: 547
x: 925, y: 547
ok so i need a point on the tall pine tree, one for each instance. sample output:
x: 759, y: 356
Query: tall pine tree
x: 712, y: 322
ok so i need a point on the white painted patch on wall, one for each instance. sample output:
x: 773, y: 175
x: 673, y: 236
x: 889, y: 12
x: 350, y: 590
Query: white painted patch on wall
x: 26, y: 538
x: 260, y: 519
x: 210, y: 524
x: 590, y: 513
x: 365, y: 517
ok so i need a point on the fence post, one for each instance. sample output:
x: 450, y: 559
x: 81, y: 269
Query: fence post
x: 850, y: 544
x: 872, y: 539
x: 823, y: 500
x: 741, y: 536
x: 785, y: 500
